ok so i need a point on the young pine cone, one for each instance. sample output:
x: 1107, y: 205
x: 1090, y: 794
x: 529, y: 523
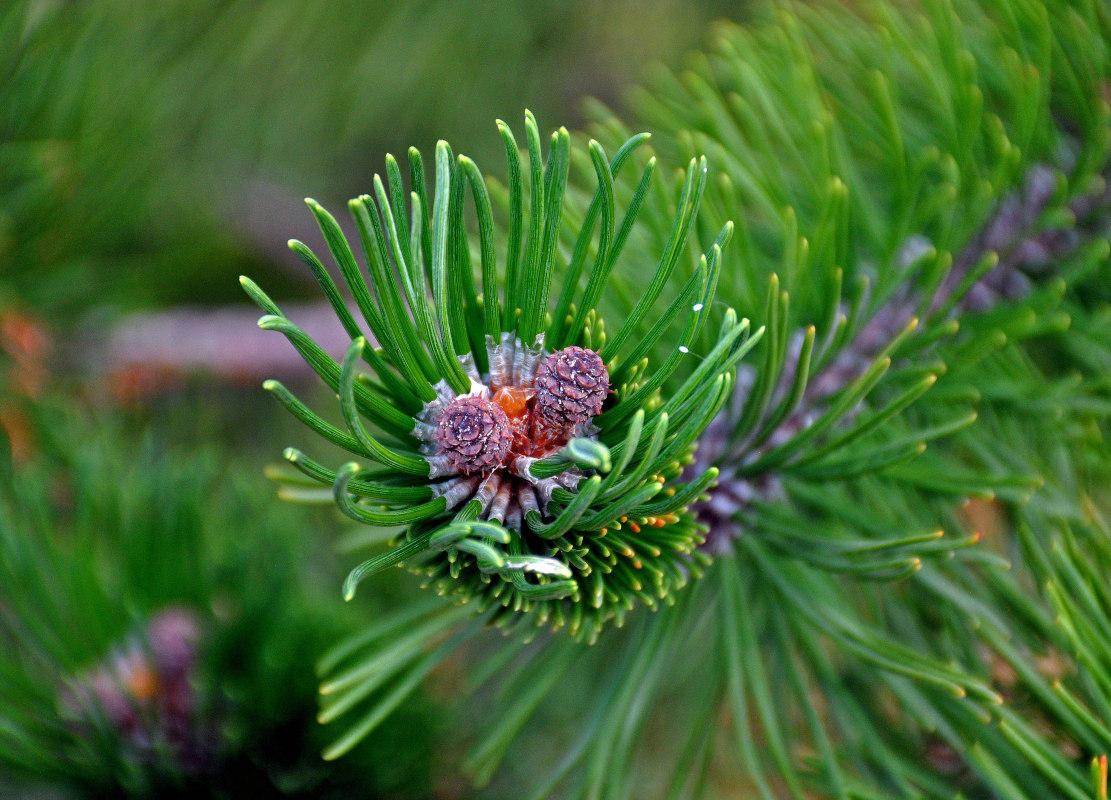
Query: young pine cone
x: 474, y: 433
x: 571, y: 385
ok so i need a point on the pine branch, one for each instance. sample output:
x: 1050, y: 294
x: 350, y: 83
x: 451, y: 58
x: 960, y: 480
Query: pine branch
x: 537, y: 493
x: 883, y: 169
x: 1013, y: 242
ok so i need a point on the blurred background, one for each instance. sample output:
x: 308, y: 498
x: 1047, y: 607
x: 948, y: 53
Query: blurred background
x: 160, y: 609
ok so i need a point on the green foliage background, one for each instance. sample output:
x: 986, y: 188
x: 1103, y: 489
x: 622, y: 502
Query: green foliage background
x: 147, y: 155
x: 141, y: 144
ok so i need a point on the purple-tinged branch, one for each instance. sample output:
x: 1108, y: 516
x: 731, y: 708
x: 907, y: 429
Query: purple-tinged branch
x: 1022, y: 249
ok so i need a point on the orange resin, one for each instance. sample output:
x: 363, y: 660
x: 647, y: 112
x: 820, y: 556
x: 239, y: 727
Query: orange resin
x: 531, y: 437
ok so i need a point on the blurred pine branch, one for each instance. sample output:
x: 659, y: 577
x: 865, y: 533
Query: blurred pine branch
x: 158, y: 623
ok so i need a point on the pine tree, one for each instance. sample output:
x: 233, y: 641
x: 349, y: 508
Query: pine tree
x: 831, y: 402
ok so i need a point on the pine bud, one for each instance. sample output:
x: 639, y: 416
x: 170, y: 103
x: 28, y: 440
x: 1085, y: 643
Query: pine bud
x: 571, y: 385
x: 474, y: 433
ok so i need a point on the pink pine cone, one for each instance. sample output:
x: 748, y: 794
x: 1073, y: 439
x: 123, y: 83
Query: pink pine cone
x: 571, y: 385
x: 474, y: 433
